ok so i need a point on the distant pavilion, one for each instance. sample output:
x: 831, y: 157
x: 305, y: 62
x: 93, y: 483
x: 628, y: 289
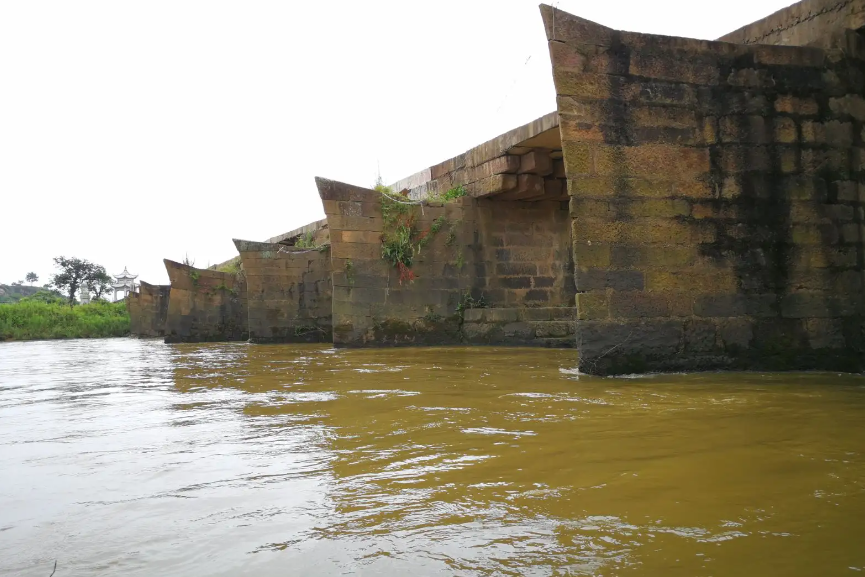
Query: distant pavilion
x: 125, y: 283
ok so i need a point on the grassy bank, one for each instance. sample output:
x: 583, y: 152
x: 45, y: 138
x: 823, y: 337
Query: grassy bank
x: 25, y: 321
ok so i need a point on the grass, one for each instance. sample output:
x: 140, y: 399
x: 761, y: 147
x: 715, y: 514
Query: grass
x: 452, y: 194
x: 25, y: 321
x: 231, y: 266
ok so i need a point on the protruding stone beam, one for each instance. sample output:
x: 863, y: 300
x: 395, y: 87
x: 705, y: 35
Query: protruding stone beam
x: 528, y: 186
x: 492, y: 185
x: 536, y: 162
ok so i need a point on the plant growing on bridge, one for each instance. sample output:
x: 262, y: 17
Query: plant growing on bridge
x: 449, y: 195
x: 469, y: 302
x: 306, y: 240
x: 402, y: 239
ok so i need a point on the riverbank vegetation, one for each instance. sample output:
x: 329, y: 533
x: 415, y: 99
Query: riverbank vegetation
x: 33, y: 319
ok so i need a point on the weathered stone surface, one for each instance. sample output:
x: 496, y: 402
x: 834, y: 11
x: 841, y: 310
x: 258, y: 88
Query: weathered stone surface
x: 148, y: 309
x: 807, y: 23
x: 712, y: 188
x: 289, y: 291
x: 205, y: 305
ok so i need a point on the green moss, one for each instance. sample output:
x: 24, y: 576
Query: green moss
x: 349, y: 271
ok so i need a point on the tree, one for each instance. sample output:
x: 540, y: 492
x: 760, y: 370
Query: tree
x: 75, y: 272
x: 99, y: 281
x: 45, y: 296
x: 32, y: 277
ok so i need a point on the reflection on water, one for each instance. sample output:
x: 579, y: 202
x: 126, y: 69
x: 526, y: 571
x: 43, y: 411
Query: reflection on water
x: 126, y: 457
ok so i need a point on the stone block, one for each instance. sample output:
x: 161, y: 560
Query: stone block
x: 735, y: 159
x: 651, y: 160
x: 507, y: 164
x: 825, y: 333
x: 554, y: 187
x: 577, y: 158
x: 518, y: 330
x: 495, y: 184
x: 789, y: 56
x: 745, y: 129
x: 613, y: 339
x: 559, y: 169
x: 635, y: 304
x: 807, y: 305
x: 535, y: 314
x: 360, y: 236
x: 652, y: 256
x: 838, y: 134
x: 357, y: 251
x: 736, y: 333
x: 693, y: 280
x: 799, y: 106
x: 619, y: 186
x: 564, y: 27
x: 785, y: 130
x: 670, y: 68
x: 586, y: 85
x: 591, y: 255
x: 561, y: 313
x: 538, y: 296
x: 536, y: 162
x: 601, y: 279
x: 481, y: 332
x: 549, y: 329
x: 501, y: 316
x: 851, y: 233
x: 568, y: 57
x: 700, y: 336
x: 650, y: 207
x: 720, y: 305
x: 543, y: 281
x: 516, y: 269
x: 850, y: 105
x: 750, y: 77
x: 656, y: 92
x: 473, y: 315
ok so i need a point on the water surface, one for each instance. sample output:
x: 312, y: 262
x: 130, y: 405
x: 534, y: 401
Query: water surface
x: 128, y: 457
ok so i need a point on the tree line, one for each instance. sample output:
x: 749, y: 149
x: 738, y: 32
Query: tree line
x: 73, y: 274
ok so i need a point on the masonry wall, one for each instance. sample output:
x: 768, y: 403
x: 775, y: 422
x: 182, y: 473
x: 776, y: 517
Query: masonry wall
x: 524, y: 253
x: 819, y: 23
x: 148, y: 309
x: 716, y: 200
x: 370, y: 304
x: 494, y: 254
x: 205, y: 305
x: 289, y: 292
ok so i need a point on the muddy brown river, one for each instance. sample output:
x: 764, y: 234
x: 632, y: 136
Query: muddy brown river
x: 128, y: 457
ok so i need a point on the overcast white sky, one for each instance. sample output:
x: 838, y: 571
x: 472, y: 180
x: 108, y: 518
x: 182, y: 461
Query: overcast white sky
x: 134, y: 131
